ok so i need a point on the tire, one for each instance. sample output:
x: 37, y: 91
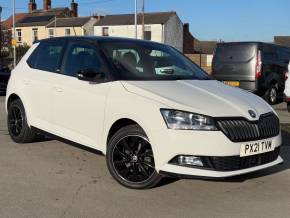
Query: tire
x: 18, y: 128
x: 130, y: 159
x: 288, y: 107
x: 271, y: 95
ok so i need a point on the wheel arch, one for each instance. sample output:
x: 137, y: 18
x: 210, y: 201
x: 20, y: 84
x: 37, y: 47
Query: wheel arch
x: 118, y: 124
x: 13, y: 96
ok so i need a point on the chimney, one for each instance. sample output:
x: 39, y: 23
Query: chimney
x: 74, y: 9
x: 32, y: 6
x: 186, y: 28
x: 46, y: 5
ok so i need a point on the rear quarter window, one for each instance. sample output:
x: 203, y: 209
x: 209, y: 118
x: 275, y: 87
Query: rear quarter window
x: 32, y: 58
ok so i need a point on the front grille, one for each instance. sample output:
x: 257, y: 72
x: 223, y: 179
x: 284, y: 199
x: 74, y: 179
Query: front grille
x: 242, y: 130
x: 232, y: 163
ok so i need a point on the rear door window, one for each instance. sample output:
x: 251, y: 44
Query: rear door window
x: 49, y: 55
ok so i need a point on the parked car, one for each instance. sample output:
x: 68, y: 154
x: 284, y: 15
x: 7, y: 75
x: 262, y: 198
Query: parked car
x: 4, y: 77
x: 150, y: 119
x: 254, y: 66
x: 287, y: 90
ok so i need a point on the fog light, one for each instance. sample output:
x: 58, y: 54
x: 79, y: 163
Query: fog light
x: 189, y: 160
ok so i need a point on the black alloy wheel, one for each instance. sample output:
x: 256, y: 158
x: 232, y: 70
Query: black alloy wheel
x: 271, y: 95
x: 18, y: 128
x: 15, y: 119
x: 133, y: 159
x: 130, y: 159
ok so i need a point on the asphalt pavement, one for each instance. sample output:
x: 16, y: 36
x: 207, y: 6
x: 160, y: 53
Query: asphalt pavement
x: 53, y: 179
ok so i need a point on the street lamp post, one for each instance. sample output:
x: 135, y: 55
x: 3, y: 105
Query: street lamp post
x: 1, y: 35
x: 136, y: 17
x: 14, y: 46
x: 143, y: 19
x: 0, y: 18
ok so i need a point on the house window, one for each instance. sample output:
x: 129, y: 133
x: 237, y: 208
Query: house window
x: 105, y: 31
x: 50, y: 33
x: 34, y: 34
x: 67, y: 32
x: 18, y: 35
x: 147, y: 33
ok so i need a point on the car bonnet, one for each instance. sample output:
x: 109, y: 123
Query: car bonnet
x: 208, y: 97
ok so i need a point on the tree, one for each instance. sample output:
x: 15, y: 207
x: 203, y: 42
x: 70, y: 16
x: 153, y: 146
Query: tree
x: 5, y: 42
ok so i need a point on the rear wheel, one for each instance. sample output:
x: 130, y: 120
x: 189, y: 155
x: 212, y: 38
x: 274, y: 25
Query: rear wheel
x: 271, y: 95
x: 18, y: 127
x: 130, y: 159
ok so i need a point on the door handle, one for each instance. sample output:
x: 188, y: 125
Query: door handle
x: 26, y: 82
x: 58, y: 89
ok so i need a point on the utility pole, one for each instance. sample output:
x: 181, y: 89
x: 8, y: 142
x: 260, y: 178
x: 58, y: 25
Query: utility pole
x: 1, y: 35
x: 55, y: 27
x: 136, y: 17
x: 0, y: 17
x: 143, y: 19
x: 14, y: 46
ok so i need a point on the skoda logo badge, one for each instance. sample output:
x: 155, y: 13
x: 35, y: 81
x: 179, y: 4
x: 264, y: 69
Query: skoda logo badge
x: 252, y: 113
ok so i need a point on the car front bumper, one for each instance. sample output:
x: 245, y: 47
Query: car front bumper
x: 203, y: 144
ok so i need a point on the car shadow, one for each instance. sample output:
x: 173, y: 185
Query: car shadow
x: 284, y: 153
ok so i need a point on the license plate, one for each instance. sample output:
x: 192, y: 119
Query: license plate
x: 258, y: 147
x: 232, y: 83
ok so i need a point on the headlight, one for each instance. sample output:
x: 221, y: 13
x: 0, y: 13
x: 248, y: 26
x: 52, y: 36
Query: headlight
x: 187, y: 121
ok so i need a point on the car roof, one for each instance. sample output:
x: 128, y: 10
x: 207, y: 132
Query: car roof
x: 99, y: 39
x: 254, y: 43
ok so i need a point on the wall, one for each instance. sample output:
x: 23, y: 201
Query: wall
x: 128, y: 31
x: 204, y: 61
x: 27, y: 34
x: 89, y: 27
x: 60, y: 31
x: 173, y: 33
x: 43, y: 33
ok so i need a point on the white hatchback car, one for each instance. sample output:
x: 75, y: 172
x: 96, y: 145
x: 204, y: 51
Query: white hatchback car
x: 146, y: 106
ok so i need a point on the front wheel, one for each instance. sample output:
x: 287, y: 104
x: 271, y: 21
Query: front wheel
x: 18, y: 128
x: 130, y: 159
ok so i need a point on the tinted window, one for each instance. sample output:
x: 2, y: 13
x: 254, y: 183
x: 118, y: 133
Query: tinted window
x: 32, y: 58
x: 150, y: 61
x: 81, y: 57
x: 49, y: 54
x: 284, y: 55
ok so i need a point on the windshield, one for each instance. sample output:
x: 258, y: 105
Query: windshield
x: 150, y: 61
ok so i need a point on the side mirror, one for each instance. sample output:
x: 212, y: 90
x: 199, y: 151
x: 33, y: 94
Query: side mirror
x: 91, y: 75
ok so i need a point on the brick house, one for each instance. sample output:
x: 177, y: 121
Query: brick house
x: 33, y: 26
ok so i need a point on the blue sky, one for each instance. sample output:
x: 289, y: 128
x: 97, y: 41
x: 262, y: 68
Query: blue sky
x: 228, y: 20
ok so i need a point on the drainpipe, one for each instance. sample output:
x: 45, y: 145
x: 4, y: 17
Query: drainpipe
x: 162, y: 33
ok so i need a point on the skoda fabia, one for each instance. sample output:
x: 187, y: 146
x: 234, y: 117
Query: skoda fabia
x: 148, y: 108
